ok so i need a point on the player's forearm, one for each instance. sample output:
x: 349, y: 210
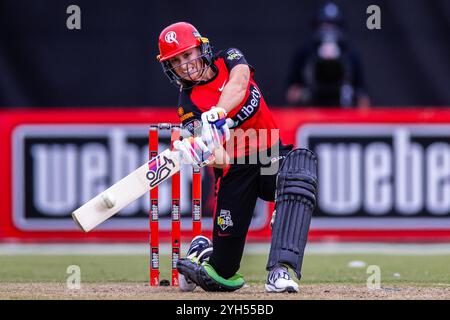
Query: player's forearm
x: 234, y: 91
x: 231, y: 96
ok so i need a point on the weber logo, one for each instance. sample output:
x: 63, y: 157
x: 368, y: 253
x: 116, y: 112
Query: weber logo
x: 392, y: 171
x: 154, y: 210
x: 57, y: 168
x: 175, y: 257
x: 175, y: 210
x: 196, y: 210
x: 155, y: 258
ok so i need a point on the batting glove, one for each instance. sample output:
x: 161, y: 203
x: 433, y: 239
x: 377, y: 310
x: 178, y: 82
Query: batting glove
x: 194, y: 151
x: 215, y: 127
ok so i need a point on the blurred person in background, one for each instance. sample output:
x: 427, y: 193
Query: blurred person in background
x: 326, y: 71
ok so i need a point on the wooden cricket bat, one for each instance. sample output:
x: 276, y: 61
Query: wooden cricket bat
x: 127, y: 190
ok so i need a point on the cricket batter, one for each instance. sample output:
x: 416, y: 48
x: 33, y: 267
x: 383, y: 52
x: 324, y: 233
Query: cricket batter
x: 214, y: 88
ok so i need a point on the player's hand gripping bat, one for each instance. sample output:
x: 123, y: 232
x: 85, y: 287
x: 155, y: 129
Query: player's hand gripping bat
x: 130, y: 188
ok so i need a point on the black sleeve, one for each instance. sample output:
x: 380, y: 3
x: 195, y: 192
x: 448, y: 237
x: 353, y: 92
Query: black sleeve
x: 190, y: 116
x: 233, y: 57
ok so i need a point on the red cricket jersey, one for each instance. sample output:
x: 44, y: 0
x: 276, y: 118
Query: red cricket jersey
x: 251, y: 115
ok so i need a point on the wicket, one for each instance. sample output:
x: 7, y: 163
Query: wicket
x: 175, y: 210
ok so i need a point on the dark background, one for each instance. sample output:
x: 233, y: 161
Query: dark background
x: 111, y: 60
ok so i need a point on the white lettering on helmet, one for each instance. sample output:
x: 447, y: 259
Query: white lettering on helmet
x: 171, y: 37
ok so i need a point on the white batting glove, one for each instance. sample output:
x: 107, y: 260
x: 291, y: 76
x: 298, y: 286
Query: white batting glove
x: 215, y: 127
x: 194, y: 151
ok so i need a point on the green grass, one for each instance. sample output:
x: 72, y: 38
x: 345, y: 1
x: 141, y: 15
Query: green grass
x: 413, y: 270
x: 427, y: 270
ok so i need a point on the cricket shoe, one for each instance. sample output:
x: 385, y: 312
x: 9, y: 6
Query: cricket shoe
x: 199, y: 250
x: 279, y: 280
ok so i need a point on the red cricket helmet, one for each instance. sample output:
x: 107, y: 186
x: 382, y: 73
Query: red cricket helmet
x: 177, y: 38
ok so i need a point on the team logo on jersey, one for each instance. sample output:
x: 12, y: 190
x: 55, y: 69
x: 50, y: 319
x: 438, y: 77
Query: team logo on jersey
x: 234, y: 54
x: 171, y: 37
x: 224, y: 219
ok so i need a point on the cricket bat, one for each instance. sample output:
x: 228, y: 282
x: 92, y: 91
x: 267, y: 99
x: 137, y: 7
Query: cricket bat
x: 127, y: 190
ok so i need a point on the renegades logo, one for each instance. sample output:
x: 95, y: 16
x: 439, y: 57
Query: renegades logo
x: 171, y: 37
